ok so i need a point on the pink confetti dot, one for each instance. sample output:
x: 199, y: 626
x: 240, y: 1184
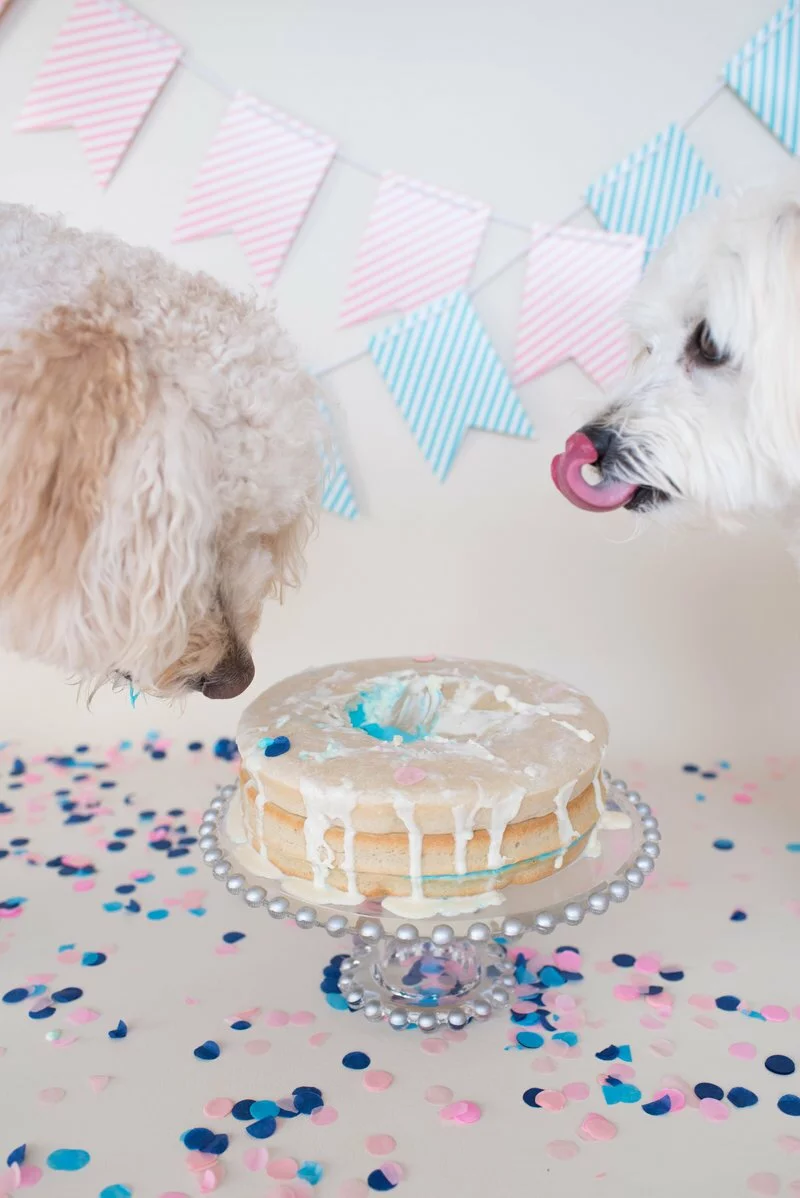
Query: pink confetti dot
x: 741, y: 796
x: 626, y: 993
x: 324, y: 1115
x: 218, y: 1108
x: 705, y: 1021
x: 562, y: 1150
x: 393, y: 1172
x: 551, y: 1100
x: 287, y: 1192
x: 257, y: 1048
x: 461, y: 1112
x: 276, y: 1018
x: 29, y: 1175
x: 649, y: 963
x: 83, y: 884
x: 677, y: 1098
x: 409, y: 775
x: 256, y: 1159
x: 318, y: 1039
x: 789, y: 1143
x: 575, y: 1091
x: 662, y: 1048
x: 283, y: 1168
x: 380, y: 1145
x: 774, y: 1014
x: 714, y: 1110
x: 434, y: 1046
x: 83, y: 1015
x: 794, y: 1186
x: 724, y: 967
x: 196, y: 1161
x: 210, y: 1179
x: 376, y: 1080
x: 742, y: 1050
x: 766, y: 1184
x: 704, y: 1002
x: 597, y: 1127
x: 541, y: 1064
x: 302, y: 1018
x: 569, y: 959
x: 438, y: 1095
x: 98, y: 1082
x: 353, y: 1188
x: 52, y: 1094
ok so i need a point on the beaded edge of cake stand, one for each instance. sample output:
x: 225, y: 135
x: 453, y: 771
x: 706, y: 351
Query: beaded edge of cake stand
x: 369, y: 931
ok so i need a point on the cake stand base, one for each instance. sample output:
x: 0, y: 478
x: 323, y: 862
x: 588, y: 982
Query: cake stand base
x: 445, y: 973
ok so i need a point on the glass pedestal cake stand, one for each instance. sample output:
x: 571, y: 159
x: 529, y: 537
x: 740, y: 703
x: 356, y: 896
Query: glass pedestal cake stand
x: 450, y: 969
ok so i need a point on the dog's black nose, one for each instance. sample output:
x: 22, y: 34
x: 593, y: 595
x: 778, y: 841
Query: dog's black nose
x: 231, y: 677
x: 603, y: 438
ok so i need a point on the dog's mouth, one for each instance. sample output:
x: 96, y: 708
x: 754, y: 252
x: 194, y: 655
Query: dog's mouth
x: 605, y: 492
x: 646, y: 499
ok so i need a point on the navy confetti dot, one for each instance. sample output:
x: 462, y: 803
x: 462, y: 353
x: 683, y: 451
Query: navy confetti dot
x: 356, y: 1060
x: 723, y: 843
x: 262, y: 1129
x: 691, y: 769
x: 68, y: 994
x: 780, y: 1064
x: 789, y: 1104
x: 232, y: 937
x: 18, y: 994
x: 241, y: 1025
x: 277, y: 747
x: 659, y: 1106
x: 241, y: 1109
x: 741, y: 1097
x: 207, y: 1051
x: 709, y: 1090
x: 530, y: 1096
x: 42, y: 1013
x: 226, y: 749
x: 377, y: 1180
x: 738, y: 916
x: 17, y: 1156
x: 728, y: 1002
x: 307, y: 1099
x: 196, y: 1138
x: 624, y: 960
x: 217, y: 1144
x: 119, y: 1032
x: 672, y: 975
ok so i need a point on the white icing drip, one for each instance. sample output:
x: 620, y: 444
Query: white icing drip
x: 597, y: 786
x: 613, y: 821
x: 404, y: 810
x: 463, y: 831
x: 411, y: 908
x: 503, y: 812
x: 583, y: 733
x: 324, y: 805
x: 566, y: 832
x: 593, y: 847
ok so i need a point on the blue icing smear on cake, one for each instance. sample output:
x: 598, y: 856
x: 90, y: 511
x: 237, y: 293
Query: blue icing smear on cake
x: 398, y: 709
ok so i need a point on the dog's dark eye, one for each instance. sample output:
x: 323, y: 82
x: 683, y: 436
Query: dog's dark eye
x: 703, y: 349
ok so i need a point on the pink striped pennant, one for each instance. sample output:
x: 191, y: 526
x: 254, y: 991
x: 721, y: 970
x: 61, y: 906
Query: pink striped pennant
x: 420, y: 243
x: 257, y: 181
x: 575, y: 285
x: 101, y: 77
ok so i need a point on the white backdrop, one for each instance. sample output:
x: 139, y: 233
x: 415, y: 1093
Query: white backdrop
x: 689, y: 640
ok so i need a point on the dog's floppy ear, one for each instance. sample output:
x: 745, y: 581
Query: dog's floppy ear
x: 68, y: 396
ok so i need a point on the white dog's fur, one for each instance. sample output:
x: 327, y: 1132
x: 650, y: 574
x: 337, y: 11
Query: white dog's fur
x: 159, y: 460
x: 715, y: 439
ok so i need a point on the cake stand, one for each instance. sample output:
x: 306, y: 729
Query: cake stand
x: 456, y: 967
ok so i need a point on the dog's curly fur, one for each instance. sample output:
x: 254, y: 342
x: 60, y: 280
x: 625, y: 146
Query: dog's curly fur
x: 159, y: 462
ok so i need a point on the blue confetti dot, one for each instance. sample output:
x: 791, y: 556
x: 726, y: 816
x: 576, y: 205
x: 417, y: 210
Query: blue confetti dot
x: 264, y: 1109
x: 68, y: 1160
x: 241, y: 1025
x: 377, y: 1180
x: 529, y: 1040
x: 116, y: 1191
x: 780, y: 1064
x: 793, y: 846
x: 226, y: 749
x: 659, y: 1106
x: 119, y: 1032
x: 789, y: 1104
x: 691, y: 769
x: 551, y: 977
x: 311, y: 1172
x: 217, y: 1144
x: 158, y: 913
x: 16, y: 1156
x: 738, y: 916
x: 672, y: 975
x: 207, y: 1051
x: 723, y: 843
x: 307, y: 1099
x: 277, y: 746
x: 624, y: 960
x: 232, y: 937
x: 569, y: 1038
x: 262, y: 1129
x: 728, y: 1002
x: 530, y: 1096
x: 356, y: 1060
x: 709, y: 1090
x: 42, y: 1013
x: 196, y: 1138
x: 92, y: 959
x: 242, y: 1110
x: 68, y: 994
x: 741, y: 1097
x: 195, y: 746
x: 18, y: 994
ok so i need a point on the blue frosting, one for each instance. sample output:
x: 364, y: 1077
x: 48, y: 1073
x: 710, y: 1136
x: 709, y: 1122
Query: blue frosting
x: 493, y: 873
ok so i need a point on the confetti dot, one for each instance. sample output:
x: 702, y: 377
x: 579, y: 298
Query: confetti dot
x: 409, y: 775
x: 738, y: 916
x: 562, y: 1150
x: 262, y: 1129
x: 376, y: 1080
x: 597, y: 1127
x: 116, y: 1191
x: 723, y: 844
x: 789, y: 1104
x: 728, y: 1002
x: 207, y: 1051
x: 714, y: 1110
x: 377, y: 1180
x: 742, y: 1050
x: 380, y: 1145
x: 119, y: 1032
x: 256, y: 1159
x: 576, y: 1091
x: 257, y: 1048
x: 283, y: 1168
x: 218, y: 1108
x: 766, y: 1184
x: 356, y: 1060
x: 18, y: 994
x: 551, y: 1100
x: 276, y: 1018
x: 68, y: 1160
x: 780, y: 1064
x: 461, y: 1112
x: 68, y: 994
x: 772, y: 1014
x: 624, y: 960
x: 438, y: 1095
x: 741, y: 1097
x: 789, y: 1144
x: 52, y: 1094
x: 307, y: 1099
x: 264, y: 1110
x: 324, y: 1115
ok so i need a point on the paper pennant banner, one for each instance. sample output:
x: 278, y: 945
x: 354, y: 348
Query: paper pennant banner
x: 766, y: 75
x: 576, y: 282
x: 103, y: 73
x: 337, y: 493
x: 446, y: 377
x: 420, y: 242
x: 653, y: 189
x: 258, y: 180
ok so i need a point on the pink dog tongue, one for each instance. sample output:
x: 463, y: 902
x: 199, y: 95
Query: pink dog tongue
x: 566, y: 472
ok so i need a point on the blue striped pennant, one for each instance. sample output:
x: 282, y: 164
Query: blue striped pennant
x: 653, y: 188
x: 446, y: 377
x: 337, y: 493
x: 766, y: 75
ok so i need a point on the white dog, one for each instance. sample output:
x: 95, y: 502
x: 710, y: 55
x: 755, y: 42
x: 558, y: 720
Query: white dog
x: 708, y: 418
x: 159, y: 460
